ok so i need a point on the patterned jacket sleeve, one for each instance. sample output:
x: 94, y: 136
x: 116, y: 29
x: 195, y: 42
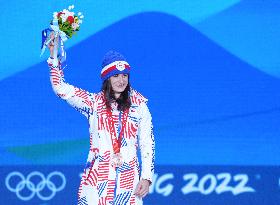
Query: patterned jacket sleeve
x: 146, y: 143
x: 80, y: 99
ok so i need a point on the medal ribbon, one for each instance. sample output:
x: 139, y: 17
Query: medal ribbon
x: 116, y: 142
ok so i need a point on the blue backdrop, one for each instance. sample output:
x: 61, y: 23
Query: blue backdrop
x: 210, y: 70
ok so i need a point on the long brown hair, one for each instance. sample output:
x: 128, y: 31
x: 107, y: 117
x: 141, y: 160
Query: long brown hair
x: 123, y: 101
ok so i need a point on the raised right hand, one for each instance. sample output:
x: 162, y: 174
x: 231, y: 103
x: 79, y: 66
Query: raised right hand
x: 53, y: 45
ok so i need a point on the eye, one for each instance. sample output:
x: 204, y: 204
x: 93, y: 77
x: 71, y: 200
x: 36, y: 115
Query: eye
x: 125, y: 75
x: 116, y: 75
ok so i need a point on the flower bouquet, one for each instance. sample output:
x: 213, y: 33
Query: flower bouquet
x: 64, y: 25
x: 68, y: 22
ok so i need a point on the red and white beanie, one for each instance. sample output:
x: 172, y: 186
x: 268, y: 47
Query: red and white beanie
x: 112, y: 64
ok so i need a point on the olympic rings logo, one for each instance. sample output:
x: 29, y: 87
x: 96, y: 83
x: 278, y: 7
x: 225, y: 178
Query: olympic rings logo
x: 16, y: 182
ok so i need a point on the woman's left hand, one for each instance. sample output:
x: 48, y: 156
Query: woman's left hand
x: 142, y: 188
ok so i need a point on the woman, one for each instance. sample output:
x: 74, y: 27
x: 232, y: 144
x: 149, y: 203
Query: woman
x: 119, y: 122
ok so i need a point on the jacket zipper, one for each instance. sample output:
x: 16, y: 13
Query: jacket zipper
x: 116, y: 181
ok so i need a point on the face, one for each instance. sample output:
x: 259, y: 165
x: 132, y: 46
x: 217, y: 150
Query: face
x: 119, y: 82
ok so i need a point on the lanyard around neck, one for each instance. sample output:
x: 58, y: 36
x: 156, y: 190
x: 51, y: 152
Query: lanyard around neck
x: 116, y: 140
